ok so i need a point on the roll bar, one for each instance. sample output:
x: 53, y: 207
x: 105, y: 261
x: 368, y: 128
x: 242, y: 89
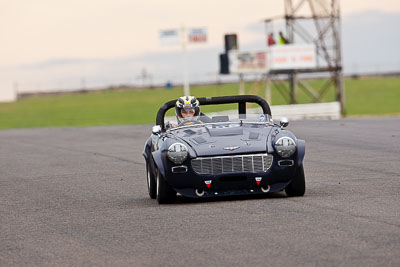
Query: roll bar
x: 240, y: 99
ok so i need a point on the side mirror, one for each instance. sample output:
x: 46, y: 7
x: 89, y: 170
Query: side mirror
x: 156, y: 130
x: 284, y: 122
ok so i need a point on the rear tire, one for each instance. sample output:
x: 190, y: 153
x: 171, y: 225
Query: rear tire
x: 151, y: 181
x: 297, y: 186
x: 165, y: 194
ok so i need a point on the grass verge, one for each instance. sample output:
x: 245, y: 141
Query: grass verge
x: 368, y: 96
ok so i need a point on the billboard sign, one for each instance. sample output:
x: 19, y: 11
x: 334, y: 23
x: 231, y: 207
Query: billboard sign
x: 169, y: 37
x: 277, y: 57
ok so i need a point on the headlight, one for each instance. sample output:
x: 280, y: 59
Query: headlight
x: 177, y: 153
x: 285, y: 147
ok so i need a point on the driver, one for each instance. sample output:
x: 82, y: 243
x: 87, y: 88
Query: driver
x: 187, y: 110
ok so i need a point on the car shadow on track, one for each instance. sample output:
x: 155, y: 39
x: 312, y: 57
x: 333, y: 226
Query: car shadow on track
x: 181, y: 200
x: 187, y: 200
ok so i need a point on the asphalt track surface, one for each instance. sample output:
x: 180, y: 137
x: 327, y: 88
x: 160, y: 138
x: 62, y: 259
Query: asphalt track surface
x: 78, y: 196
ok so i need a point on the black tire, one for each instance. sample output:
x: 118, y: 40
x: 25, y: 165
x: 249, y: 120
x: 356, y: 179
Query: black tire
x: 165, y: 194
x: 297, y: 186
x: 151, y: 181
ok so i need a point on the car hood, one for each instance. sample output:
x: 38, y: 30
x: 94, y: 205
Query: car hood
x: 225, y: 140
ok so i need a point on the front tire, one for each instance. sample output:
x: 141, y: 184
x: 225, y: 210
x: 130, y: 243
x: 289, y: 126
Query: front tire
x: 165, y: 194
x: 297, y: 186
x: 151, y: 182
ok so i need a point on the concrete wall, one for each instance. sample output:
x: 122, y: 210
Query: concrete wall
x: 7, y: 92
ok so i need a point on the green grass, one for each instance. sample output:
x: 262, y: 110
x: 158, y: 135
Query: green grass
x: 369, y: 96
x: 378, y: 96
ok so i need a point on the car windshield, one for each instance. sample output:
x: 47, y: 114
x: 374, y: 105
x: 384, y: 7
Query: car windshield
x: 220, y: 119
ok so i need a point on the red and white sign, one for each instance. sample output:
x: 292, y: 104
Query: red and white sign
x: 292, y: 56
x: 197, y: 35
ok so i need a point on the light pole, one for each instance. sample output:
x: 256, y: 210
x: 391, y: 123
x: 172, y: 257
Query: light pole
x: 186, y: 87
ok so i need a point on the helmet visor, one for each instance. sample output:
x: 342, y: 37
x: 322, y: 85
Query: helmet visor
x: 187, y: 112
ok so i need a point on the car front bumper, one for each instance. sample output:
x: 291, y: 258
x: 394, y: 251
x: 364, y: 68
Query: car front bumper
x: 191, y: 184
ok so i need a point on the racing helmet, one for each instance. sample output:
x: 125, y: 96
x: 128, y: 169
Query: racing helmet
x: 187, y: 103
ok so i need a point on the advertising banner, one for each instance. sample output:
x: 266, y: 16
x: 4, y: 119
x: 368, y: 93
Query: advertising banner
x: 277, y: 57
x: 197, y: 35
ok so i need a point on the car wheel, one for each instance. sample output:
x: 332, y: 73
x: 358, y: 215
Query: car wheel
x: 151, y: 182
x: 297, y: 186
x: 165, y: 194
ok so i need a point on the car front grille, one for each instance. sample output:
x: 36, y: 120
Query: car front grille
x: 232, y: 164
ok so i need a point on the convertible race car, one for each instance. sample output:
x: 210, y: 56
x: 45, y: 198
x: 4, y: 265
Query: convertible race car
x: 223, y: 155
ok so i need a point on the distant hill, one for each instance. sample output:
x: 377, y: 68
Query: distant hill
x: 370, y: 43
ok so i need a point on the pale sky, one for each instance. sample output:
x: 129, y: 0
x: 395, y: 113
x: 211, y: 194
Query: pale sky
x: 39, y: 30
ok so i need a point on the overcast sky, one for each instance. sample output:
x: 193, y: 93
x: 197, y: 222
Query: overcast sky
x: 40, y: 30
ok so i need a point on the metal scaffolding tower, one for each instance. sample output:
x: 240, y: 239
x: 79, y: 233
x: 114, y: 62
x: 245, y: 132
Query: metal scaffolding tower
x: 317, y: 22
